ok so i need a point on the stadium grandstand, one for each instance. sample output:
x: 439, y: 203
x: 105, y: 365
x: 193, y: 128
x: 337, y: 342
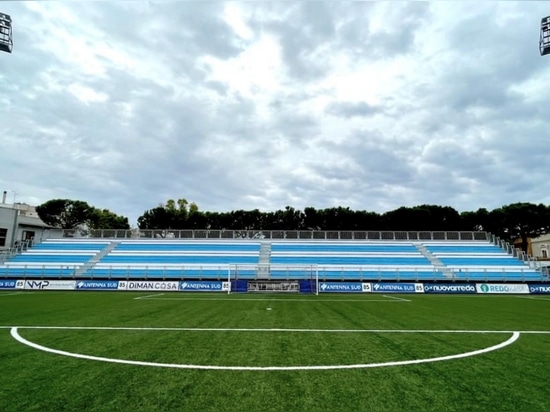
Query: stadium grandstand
x: 274, y: 256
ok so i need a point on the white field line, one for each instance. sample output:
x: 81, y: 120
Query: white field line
x: 267, y: 299
x: 15, y: 334
x: 12, y: 293
x: 149, y: 296
x: 299, y: 330
x: 535, y: 298
x: 397, y: 298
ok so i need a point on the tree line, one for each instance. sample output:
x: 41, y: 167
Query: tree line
x: 70, y: 214
x: 510, y: 222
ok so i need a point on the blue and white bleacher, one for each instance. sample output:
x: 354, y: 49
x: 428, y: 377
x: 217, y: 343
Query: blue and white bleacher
x: 52, y: 258
x: 481, y: 261
x: 177, y: 259
x: 361, y: 260
x: 288, y: 259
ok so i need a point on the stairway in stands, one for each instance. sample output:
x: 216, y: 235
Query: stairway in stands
x: 439, y: 266
x: 91, y: 263
x: 264, y: 260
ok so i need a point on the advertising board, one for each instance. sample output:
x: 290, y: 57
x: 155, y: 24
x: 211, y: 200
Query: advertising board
x: 97, y: 285
x: 149, y: 285
x: 449, y: 288
x: 46, y: 284
x: 539, y: 289
x: 341, y: 287
x: 7, y: 283
x: 384, y: 287
x: 494, y: 288
x: 204, y: 286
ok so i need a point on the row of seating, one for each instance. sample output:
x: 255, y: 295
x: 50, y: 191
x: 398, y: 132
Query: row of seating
x: 211, y: 259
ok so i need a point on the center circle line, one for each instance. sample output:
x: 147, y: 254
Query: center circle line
x: 15, y: 334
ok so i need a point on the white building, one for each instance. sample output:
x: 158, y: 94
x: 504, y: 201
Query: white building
x: 19, y: 222
x: 540, y: 247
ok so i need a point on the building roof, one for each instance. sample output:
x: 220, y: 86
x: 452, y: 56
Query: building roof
x: 32, y: 221
x: 542, y: 238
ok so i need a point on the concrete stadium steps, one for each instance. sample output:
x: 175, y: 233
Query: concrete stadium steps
x: 351, y: 260
x: 193, y: 246
x: 369, y: 260
x: 169, y: 259
x: 499, y: 276
x: 355, y: 260
x: 218, y: 273
x: 481, y: 261
x: 361, y: 274
x: 36, y: 272
x: 343, y: 247
x: 155, y: 259
x: 53, y: 258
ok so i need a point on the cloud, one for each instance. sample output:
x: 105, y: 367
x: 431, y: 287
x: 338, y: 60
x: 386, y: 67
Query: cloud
x: 348, y: 109
x: 244, y: 105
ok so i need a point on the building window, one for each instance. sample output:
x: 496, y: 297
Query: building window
x: 544, y: 253
x: 28, y: 235
x: 3, y: 235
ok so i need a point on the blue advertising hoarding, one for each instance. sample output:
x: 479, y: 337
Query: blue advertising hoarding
x: 340, y: 287
x: 539, y: 289
x: 97, y: 285
x: 395, y: 287
x: 449, y: 288
x: 7, y: 283
x: 203, y: 286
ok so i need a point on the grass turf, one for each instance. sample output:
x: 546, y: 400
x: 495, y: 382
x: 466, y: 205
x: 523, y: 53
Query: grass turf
x: 512, y: 378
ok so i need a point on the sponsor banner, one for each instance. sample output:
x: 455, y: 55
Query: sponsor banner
x: 449, y: 288
x: 97, y: 285
x: 502, y: 288
x: 341, y: 287
x: 367, y: 287
x: 7, y: 283
x: 50, y: 284
x: 148, y: 285
x: 397, y: 287
x: 538, y: 289
x: 204, y: 286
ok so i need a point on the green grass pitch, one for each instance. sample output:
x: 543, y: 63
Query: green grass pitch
x: 308, y: 341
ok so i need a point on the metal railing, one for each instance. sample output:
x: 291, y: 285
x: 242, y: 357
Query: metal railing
x: 273, y: 273
x: 516, y: 252
x: 289, y: 235
x: 19, y: 247
x: 276, y: 234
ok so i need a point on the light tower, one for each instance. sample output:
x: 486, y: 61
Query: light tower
x: 6, y: 39
x: 544, y: 42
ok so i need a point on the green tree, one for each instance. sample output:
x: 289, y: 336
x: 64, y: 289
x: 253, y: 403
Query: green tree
x: 105, y: 219
x: 172, y: 215
x: 65, y: 213
x: 423, y: 217
x: 520, y: 221
x: 476, y: 221
x: 69, y: 214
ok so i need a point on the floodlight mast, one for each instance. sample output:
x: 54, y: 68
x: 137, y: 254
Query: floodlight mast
x: 544, y: 42
x: 6, y: 38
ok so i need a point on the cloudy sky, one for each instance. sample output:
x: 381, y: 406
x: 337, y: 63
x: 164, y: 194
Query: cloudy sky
x: 244, y: 105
